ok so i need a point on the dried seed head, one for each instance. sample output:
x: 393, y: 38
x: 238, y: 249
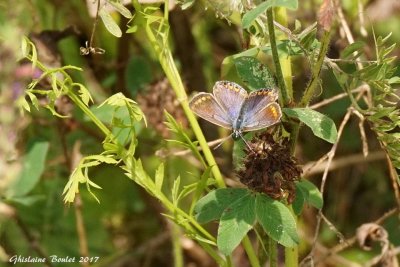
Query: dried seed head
x: 158, y: 97
x: 270, y: 168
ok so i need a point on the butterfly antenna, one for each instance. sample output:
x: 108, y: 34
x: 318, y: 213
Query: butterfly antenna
x: 247, y: 144
x: 222, y: 141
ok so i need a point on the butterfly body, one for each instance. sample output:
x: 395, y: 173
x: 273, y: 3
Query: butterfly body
x: 231, y: 107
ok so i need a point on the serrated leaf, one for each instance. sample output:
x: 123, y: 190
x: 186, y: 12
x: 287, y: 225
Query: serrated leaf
x: 32, y: 169
x: 277, y: 220
x: 102, y: 158
x: 253, y: 73
x: 22, y: 103
x: 236, y: 220
x: 33, y: 99
x: 121, y: 9
x: 250, y: 16
x: 109, y: 23
x: 211, y: 206
x: 321, y: 125
x: 83, y: 93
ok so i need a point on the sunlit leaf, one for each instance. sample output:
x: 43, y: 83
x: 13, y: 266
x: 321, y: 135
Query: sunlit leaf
x: 236, y: 220
x: 321, y: 125
x: 212, y: 206
x: 159, y: 177
x: 277, y: 220
x: 121, y: 9
x: 250, y: 16
x: 308, y: 193
x: 109, y: 22
x: 253, y: 73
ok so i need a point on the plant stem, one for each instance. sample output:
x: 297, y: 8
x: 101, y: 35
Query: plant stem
x: 314, y: 82
x: 273, y: 253
x: 292, y: 254
x: 291, y: 257
x: 176, y: 243
x: 250, y: 252
x: 312, y: 86
x: 284, y: 75
x: 74, y: 97
x: 166, y: 60
x: 286, y: 62
x: 285, y: 99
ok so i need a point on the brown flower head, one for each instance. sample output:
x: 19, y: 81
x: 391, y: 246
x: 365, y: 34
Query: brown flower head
x: 270, y: 168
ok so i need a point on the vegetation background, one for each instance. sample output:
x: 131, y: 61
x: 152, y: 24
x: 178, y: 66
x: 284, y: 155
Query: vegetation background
x: 129, y: 226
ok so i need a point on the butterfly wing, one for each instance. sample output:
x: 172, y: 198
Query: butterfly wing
x: 230, y: 96
x: 207, y: 107
x: 260, y: 110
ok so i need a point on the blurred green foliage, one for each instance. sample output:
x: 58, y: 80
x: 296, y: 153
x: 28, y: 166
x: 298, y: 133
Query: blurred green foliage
x: 127, y: 228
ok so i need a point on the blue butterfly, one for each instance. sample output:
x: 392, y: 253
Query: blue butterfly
x: 231, y: 107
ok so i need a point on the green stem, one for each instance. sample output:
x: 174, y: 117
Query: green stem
x: 73, y: 96
x: 165, y: 58
x: 176, y: 243
x: 250, y: 252
x: 312, y: 86
x: 273, y: 253
x: 285, y: 100
x: 286, y: 61
x: 291, y: 257
x: 292, y: 254
x: 90, y: 114
x: 316, y: 71
x: 284, y: 74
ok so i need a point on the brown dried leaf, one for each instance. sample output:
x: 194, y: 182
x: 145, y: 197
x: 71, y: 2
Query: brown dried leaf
x: 370, y: 232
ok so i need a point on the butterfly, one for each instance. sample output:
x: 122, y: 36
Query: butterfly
x: 231, y: 107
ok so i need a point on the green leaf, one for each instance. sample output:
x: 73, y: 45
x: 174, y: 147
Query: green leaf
x: 354, y: 47
x: 395, y: 79
x: 298, y: 202
x: 308, y: 37
x: 109, y: 22
x: 308, y: 193
x: 277, y: 220
x: 250, y: 16
x: 253, y: 73
x: 175, y: 190
x: 83, y: 93
x: 32, y: 169
x: 159, y: 177
x: 121, y: 9
x: 27, y: 200
x: 321, y: 125
x: 24, y: 47
x: 236, y: 220
x: 185, y: 4
x: 200, y: 187
x: 211, y: 206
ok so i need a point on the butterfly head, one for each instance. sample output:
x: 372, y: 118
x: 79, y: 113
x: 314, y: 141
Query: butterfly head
x: 237, y: 134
